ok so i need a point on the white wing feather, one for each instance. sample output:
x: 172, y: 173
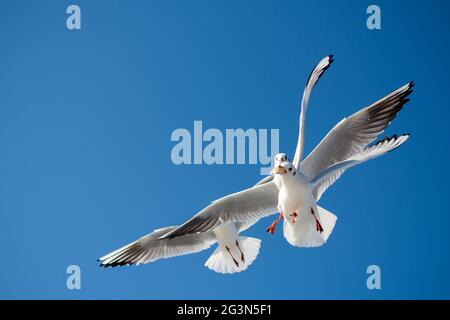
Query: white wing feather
x: 315, y: 75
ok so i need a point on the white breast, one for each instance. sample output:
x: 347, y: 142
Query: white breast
x: 295, y: 194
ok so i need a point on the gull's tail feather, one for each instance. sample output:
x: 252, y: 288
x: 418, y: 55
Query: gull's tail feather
x: 303, y: 233
x: 224, y: 261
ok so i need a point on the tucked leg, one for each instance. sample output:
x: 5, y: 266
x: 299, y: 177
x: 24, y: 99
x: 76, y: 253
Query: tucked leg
x: 242, y: 254
x: 318, y: 225
x: 234, y: 260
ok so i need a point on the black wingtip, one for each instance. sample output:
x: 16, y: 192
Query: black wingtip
x: 330, y: 58
x: 397, y: 136
x: 410, y: 86
x: 389, y: 138
x: 330, y: 61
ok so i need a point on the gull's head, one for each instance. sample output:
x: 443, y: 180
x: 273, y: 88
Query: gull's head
x: 280, y: 158
x: 284, y: 168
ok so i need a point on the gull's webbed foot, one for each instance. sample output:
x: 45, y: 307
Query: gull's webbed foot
x: 271, y: 228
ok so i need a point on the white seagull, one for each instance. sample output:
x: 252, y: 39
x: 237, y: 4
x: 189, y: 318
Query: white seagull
x: 225, y: 218
x: 348, y: 138
x: 234, y: 253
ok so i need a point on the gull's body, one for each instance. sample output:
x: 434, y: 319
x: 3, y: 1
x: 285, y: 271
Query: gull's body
x: 295, y: 192
x: 304, y: 224
x: 295, y: 202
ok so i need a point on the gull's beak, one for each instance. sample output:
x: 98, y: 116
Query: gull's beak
x: 279, y: 170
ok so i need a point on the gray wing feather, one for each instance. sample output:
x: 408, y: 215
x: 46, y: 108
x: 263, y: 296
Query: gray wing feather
x: 242, y: 207
x: 353, y: 134
x: 328, y: 176
x: 150, y: 248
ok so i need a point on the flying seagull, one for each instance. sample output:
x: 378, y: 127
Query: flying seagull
x: 240, y: 210
x: 348, y: 138
x: 234, y: 253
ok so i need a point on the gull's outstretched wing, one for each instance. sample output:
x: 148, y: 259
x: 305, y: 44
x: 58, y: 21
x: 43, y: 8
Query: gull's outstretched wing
x: 329, y: 175
x: 242, y: 207
x: 353, y: 134
x: 315, y: 75
x: 264, y: 180
x: 149, y: 248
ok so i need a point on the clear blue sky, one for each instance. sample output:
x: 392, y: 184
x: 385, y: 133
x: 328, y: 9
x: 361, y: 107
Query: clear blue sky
x: 86, y: 118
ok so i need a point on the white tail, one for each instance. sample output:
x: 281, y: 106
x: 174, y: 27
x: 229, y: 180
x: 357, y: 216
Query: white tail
x: 303, y: 233
x: 222, y: 262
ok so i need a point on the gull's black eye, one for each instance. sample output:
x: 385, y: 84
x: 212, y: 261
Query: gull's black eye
x: 290, y: 169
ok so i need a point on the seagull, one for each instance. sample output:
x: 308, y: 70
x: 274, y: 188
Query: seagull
x: 348, y: 138
x: 234, y: 253
x: 224, y: 219
x: 297, y: 197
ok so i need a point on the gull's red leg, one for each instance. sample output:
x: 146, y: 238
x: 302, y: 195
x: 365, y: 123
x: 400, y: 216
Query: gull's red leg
x: 318, y: 225
x: 271, y: 228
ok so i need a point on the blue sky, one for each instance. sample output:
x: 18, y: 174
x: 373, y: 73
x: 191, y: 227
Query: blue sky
x: 86, y: 118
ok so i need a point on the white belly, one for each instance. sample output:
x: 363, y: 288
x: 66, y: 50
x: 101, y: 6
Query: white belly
x: 298, y: 200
